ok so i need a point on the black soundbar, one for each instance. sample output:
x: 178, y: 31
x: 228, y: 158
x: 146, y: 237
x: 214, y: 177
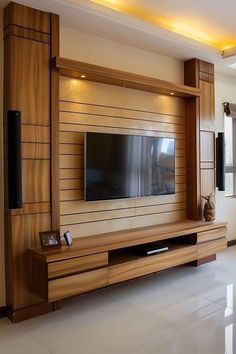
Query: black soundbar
x: 14, y: 159
x: 220, y: 161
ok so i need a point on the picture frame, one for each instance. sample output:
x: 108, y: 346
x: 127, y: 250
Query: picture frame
x: 50, y: 240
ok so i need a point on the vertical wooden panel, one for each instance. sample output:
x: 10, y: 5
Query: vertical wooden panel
x: 27, y: 88
x: 207, y: 108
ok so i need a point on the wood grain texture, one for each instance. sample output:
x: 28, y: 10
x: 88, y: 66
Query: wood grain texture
x: 54, y: 112
x: 211, y: 235
x: 27, y: 88
x: 74, y: 69
x: 207, y: 108
x: 86, y: 106
x: 20, y: 15
x: 121, y: 239
x: 77, y: 284
x: 211, y: 247
x: 147, y: 265
x: 76, y: 265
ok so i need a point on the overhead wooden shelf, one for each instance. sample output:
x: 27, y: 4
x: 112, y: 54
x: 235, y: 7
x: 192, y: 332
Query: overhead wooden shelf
x: 75, y: 69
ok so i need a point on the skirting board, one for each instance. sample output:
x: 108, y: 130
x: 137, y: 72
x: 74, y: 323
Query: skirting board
x: 32, y: 311
x: 231, y: 243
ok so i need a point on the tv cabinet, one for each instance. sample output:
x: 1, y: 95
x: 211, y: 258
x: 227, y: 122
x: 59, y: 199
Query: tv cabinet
x: 98, y: 261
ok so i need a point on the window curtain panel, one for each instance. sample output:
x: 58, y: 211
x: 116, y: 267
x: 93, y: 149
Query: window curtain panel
x: 230, y: 109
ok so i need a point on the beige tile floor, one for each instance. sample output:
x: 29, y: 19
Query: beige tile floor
x: 185, y: 310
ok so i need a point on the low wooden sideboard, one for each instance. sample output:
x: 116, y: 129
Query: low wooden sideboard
x: 98, y: 261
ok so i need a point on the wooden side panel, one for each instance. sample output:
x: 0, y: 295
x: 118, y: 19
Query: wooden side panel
x: 87, y: 106
x: 27, y: 88
x: 207, y: 106
x: 77, y: 284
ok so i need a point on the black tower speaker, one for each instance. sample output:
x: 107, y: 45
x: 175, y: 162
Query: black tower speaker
x: 14, y: 160
x: 220, y: 161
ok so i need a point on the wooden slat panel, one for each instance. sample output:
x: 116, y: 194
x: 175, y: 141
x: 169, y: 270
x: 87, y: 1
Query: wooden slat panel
x: 109, y: 111
x: 87, y: 229
x: 207, y: 106
x: 36, y: 180
x: 94, y: 107
x: 81, y: 119
x: 77, y: 284
x: 119, y: 130
x: 118, y: 214
x: 32, y: 208
x: 75, y: 207
x: 68, y: 173
x: 211, y: 235
x: 76, y: 265
x: 71, y: 184
x: 71, y: 149
x: 211, y: 247
x: 26, y: 33
x: 146, y: 265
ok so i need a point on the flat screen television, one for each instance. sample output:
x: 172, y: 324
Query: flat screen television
x: 126, y: 166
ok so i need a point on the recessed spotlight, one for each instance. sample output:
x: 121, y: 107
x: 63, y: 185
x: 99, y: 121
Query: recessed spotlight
x: 172, y: 93
x: 83, y: 76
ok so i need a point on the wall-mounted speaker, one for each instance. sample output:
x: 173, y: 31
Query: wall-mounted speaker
x: 220, y: 161
x: 14, y: 159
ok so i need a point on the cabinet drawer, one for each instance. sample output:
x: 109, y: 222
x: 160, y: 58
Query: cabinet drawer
x: 146, y: 265
x: 211, y: 235
x: 211, y: 247
x: 76, y: 265
x: 77, y: 284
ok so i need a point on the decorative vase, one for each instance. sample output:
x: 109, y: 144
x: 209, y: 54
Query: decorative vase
x: 209, y: 209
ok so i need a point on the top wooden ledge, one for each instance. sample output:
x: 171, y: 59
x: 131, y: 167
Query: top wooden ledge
x: 75, y: 69
x: 120, y: 239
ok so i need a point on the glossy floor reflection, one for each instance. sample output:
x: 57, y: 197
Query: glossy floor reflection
x: 185, y: 310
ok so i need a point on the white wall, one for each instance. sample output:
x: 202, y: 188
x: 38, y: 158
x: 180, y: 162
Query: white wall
x: 95, y: 50
x: 2, y: 270
x: 225, y: 90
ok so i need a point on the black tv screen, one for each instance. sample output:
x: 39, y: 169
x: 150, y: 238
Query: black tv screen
x: 125, y: 166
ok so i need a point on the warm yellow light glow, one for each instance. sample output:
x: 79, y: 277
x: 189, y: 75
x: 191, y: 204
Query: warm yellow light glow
x: 83, y: 76
x: 181, y: 27
x: 172, y: 93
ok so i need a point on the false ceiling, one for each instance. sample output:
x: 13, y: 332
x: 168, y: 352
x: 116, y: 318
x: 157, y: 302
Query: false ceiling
x: 178, y: 28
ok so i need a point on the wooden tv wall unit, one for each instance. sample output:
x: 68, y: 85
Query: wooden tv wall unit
x: 97, y: 261
x: 32, y: 71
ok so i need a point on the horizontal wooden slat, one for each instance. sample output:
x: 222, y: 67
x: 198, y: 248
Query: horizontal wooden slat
x: 119, y: 130
x: 32, y: 208
x: 93, y: 228
x: 77, y: 284
x: 211, y: 235
x: 71, y: 161
x: 146, y: 265
x: 109, y: 111
x: 68, y: 173
x: 71, y: 137
x: 71, y: 184
x: 119, y: 122
x: 71, y: 149
x: 122, y: 213
x: 76, y: 265
x: 211, y: 247
x: 75, y: 207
